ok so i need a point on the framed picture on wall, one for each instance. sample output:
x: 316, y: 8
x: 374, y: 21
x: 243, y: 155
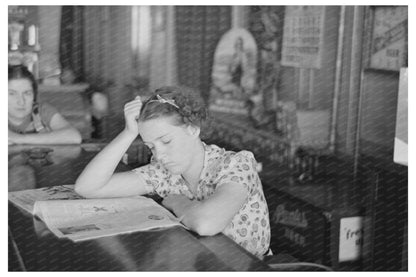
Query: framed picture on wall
x: 389, y: 32
x: 234, y: 72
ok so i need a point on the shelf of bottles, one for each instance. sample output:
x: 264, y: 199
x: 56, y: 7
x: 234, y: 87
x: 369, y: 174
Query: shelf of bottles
x: 23, y: 43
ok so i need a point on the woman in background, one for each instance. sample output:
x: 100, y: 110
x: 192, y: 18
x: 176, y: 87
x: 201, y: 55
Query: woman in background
x: 31, y: 122
x: 210, y: 189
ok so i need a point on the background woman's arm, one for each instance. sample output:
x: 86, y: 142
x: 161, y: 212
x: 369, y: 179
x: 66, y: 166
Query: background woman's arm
x: 62, y: 133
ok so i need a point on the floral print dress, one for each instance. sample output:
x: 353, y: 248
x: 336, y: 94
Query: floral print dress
x: 250, y: 227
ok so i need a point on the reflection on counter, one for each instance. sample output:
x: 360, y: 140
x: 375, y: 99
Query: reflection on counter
x: 21, y: 177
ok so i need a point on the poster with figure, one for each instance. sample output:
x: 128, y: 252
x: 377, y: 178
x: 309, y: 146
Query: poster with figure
x: 303, y: 36
x: 234, y: 72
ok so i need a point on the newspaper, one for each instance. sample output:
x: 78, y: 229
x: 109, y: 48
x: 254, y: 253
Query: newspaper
x: 26, y: 199
x: 82, y: 219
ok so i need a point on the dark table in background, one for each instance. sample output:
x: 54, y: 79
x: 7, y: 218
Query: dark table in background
x: 33, y: 247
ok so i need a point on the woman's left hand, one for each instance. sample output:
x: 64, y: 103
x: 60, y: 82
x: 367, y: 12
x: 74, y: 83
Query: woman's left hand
x: 177, y: 203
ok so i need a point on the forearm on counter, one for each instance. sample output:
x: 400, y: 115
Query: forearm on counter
x: 211, y: 215
x: 62, y: 136
x: 198, y: 216
x: 100, y: 169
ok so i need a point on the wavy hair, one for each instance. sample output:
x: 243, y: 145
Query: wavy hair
x: 184, y: 104
x: 21, y: 72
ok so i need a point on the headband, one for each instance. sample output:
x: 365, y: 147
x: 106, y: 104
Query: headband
x: 162, y: 100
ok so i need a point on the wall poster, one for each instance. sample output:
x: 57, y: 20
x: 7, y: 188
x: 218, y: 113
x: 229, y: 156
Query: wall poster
x: 303, y: 36
x: 389, y: 38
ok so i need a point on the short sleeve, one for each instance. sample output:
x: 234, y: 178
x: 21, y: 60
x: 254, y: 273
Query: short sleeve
x: 154, y: 176
x: 47, y: 112
x: 239, y: 168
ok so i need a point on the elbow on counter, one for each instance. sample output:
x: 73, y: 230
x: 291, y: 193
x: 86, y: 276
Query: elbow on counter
x: 80, y: 189
x: 206, y: 228
x: 77, y: 138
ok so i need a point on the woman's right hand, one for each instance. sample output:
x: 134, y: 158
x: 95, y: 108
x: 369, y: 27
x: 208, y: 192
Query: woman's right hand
x: 131, y: 114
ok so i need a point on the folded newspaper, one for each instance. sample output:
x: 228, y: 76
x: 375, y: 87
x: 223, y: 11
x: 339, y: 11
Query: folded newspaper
x: 70, y: 216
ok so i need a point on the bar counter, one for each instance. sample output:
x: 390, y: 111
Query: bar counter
x: 32, y: 247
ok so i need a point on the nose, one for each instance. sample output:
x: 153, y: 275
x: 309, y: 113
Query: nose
x: 21, y: 100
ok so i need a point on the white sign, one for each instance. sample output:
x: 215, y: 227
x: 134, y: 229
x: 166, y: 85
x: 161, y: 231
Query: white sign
x: 303, y: 36
x: 350, y: 238
x: 401, y: 136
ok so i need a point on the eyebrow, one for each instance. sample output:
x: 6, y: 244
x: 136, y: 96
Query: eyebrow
x: 10, y: 89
